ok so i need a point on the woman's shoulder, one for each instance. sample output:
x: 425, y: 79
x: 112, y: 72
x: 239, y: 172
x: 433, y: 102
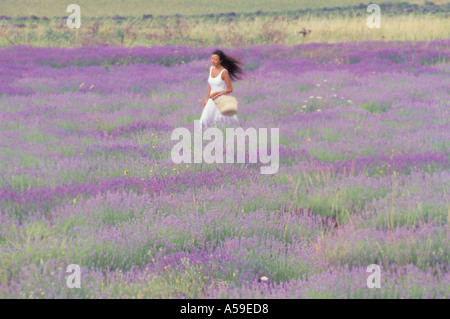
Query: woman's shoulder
x: 224, y: 71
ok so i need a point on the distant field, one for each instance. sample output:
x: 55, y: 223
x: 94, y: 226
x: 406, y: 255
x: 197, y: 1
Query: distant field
x: 345, y: 21
x: 91, y: 8
x: 222, y: 31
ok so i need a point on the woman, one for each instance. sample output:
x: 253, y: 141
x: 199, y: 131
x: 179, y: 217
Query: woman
x: 222, y: 69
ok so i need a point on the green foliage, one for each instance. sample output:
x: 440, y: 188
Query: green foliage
x: 303, y: 88
x: 374, y: 107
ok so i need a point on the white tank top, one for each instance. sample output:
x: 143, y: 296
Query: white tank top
x: 217, y: 84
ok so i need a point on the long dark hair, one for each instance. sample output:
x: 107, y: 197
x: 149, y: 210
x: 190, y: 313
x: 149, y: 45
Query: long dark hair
x: 230, y: 63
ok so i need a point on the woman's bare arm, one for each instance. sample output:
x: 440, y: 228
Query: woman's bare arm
x: 226, y: 78
x: 207, y: 96
x: 209, y: 91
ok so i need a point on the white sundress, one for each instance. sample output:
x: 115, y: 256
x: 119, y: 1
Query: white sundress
x: 211, y: 114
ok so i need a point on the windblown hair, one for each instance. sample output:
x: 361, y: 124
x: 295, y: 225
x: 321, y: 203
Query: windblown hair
x: 230, y: 63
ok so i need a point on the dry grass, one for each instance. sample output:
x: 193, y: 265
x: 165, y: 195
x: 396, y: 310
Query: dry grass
x: 137, y: 8
x: 239, y: 32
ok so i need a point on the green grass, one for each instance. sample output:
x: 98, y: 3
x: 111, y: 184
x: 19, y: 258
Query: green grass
x: 326, y: 156
x: 411, y: 216
x: 425, y: 253
x: 112, y: 217
x: 374, y: 107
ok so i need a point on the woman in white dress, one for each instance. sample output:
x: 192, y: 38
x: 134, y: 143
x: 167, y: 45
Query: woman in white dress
x: 223, y: 69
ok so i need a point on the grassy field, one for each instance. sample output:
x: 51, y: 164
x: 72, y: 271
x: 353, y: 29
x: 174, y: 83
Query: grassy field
x: 230, y: 31
x: 87, y: 176
x: 98, y: 8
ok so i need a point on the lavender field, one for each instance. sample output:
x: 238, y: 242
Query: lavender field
x: 87, y: 176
